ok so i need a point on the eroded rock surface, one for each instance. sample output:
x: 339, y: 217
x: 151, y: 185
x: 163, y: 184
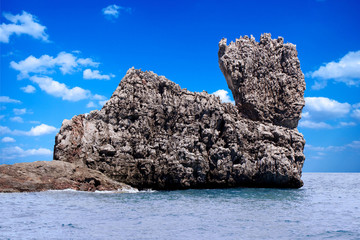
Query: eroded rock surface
x: 54, y: 175
x: 153, y: 134
x: 265, y: 79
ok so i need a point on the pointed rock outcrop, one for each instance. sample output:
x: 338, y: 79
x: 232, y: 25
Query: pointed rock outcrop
x: 265, y: 79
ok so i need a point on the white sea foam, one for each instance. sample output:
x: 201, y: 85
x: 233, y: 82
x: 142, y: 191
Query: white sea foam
x: 120, y: 190
x: 64, y: 190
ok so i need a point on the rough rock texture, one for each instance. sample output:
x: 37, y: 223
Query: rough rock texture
x: 53, y: 175
x: 265, y: 79
x: 153, y: 134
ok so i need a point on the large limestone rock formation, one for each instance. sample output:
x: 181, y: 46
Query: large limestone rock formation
x: 265, y: 79
x: 153, y: 134
x: 54, y: 175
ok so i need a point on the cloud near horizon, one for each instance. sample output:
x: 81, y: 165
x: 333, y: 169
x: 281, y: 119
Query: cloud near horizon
x: 346, y: 70
x: 23, y: 23
x: 16, y: 152
x: 353, y: 145
x: 318, y: 110
x: 322, y: 108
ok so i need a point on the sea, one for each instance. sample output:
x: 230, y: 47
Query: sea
x: 326, y: 207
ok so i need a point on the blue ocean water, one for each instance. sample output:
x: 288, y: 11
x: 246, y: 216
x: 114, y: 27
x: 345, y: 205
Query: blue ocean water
x: 327, y: 207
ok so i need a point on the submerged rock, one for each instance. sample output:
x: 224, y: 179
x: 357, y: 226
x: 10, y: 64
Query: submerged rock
x: 54, y: 175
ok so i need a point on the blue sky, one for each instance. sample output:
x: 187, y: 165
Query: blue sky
x: 63, y: 58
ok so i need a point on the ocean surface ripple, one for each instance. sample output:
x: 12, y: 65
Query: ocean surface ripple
x: 327, y: 207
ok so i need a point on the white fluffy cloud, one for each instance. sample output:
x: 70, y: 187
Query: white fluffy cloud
x: 29, y: 89
x: 39, y: 130
x: 8, y: 140
x: 355, y: 145
x: 356, y: 114
x: 356, y: 105
x: 34, y: 122
x: 58, y: 89
x: 98, y: 97
x: 89, y: 74
x: 17, y: 119
x: 314, y: 125
x: 16, y: 152
x: 20, y: 111
x: 66, y: 62
x: 347, y: 124
x: 346, y: 70
x: 23, y: 23
x: 91, y: 104
x: 42, y: 129
x: 223, y: 95
x: 321, y: 108
x: 325, y: 149
x: 102, y: 103
x: 6, y: 99
x: 5, y: 130
x: 113, y: 11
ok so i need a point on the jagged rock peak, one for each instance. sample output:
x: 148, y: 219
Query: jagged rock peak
x: 265, y: 79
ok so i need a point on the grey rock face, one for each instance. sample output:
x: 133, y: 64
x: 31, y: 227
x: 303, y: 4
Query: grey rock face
x: 54, y: 175
x: 153, y: 134
x: 265, y: 79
